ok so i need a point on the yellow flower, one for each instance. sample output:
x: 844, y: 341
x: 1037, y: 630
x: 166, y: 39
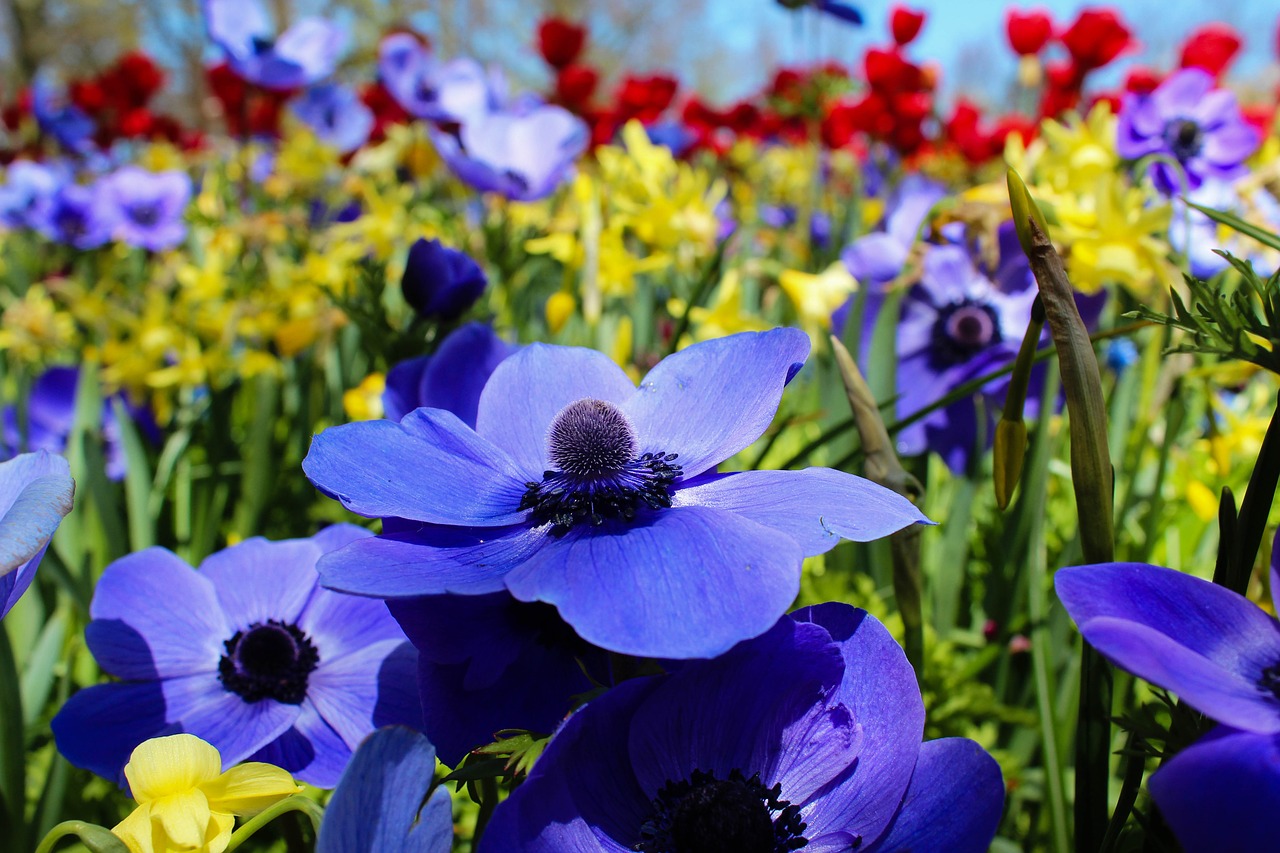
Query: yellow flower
x: 364, y: 402
x: 816, y: 296
x: 1113, y: 236
x: 560, y: 307
x: 186, y: 802
x: 34, y: 327
x: 725, y: 315
x: 1076, y: 154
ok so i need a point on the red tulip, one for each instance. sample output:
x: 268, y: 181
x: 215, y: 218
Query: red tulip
x: 905, y: 24
x: 1028, y: 32
x: 1096, y: 37
x: 1212, y: 47
x: 560, y: 42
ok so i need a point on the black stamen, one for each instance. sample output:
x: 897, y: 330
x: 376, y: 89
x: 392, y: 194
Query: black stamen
x: 271, y: 660
x: 963, y: 329
x: 1270, y: 680
x: 1184, y: 138
x: 704, y: 814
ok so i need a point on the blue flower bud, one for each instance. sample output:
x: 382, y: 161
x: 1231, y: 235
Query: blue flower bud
x: 439, y: 282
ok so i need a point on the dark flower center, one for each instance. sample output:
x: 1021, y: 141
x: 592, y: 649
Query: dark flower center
x: 1270, y: 680
x: 1184, y: 138
x: 72, y: 222
x: 704, y: 814
x: 962, y: 330
x: 271, y: 660
x: 145, y: 215
x: 597, y: 474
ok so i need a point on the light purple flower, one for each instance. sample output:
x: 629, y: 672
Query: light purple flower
x: 149, y: 206
x: 336, y: 115
x: 523, y: 153
x: 79, y: 215
x: 36, y: 491
x: 305, y: 53
x: 1191, y: 120
x: 247, y: 653
x: 1220, y: 653
x: 429, y: 89
x: 27, y: 192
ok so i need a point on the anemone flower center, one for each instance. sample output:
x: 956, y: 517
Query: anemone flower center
x: 145, y: 214
x: 962, y: 330
x: 598, y: 475
x: 704, y: 814
x: 270, y: 660
x: 1184, y: 138
x: 1270, y: 680
x: 72, y: 222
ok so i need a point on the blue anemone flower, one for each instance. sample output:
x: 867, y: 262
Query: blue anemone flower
x: 57, y: 116
x: 149, y: 206
x: 578, y: 489
x: 305, y: 53
x: 248, y: 653
x: 804, y: 738
x: 78, y: 215
x: 36, y: 491
x: 427, y: 88
x: 336, y: 115
x: 27, y: 192
x: 440, y: 282
x: 385, y: 802
x: 450, y: 378
x: 1220, y: 653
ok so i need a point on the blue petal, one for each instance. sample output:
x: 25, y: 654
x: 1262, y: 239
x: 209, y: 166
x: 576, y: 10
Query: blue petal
x: 452, y: 379
x: 428, y: 467
x: 953, y: 803
x: 431, y: 560
x: 378, y: 806
x: 313, y: 45
x: 99, y: 726
x: 376, y: 681
x: 137, y: 632
x: 35, y: 495
x: 311, y: 750
x: 880, y: 689
x: 257, y: 580
x: 817, y: 507
x: 1222, y: 793
x: 713, y: 716
x: 236, y: 728
x: 715, y: 398
x: 1203, y: 642
x: 527, y: 391
x: 338, y: 624
x: 683, y: 583
x: 234, y: 25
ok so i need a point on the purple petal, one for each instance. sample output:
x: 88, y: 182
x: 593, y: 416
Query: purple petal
x: 428, y: 467
x: 258, y: 580
x: 1203, y: 642
x: 36, y: 492
x: 431, y: 560
x: 236, y: 728
x: 346, y: 690
x: 99, y: 726
x: 688, y: 582
x: 311, y: 750
x: 1230, y: 145
x: 1222, y: 793
x: 381, y: 804
x: 817, y: 507
x: 953, y: 803
x: 1181, y: 92
x: 880, y: 688
x: 138, y: 633
x: 528, y: 390
x: 339, y: 624
x: 234, y: 25
x: 798, y: 735
x: 715, y: 398
x: 314, y: 45
x: 875, y: 257
x: 452, y: 379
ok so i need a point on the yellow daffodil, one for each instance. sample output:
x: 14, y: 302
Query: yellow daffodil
x: 1113, y: 236
x: 186, y: 802
x: 364, y: 402
x: 724, y: 315
x: 815, y: 296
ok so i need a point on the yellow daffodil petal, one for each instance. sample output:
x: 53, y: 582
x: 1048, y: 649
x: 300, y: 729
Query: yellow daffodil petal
x: 247, y: 789
x: 135, y: 830
x: 165, y: 766
x: 183, y: 818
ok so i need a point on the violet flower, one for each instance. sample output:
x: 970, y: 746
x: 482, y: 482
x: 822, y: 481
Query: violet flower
x: 58, y: 117
x: 1220, y: 653
x: 427, y: 88
x: 827, y: 757
x: 36, y: 493
x: 27, y: 192
x: 305, y: 53
x: 248, y: 653
x: 571, y: 467
x: 336, y: 115
x: 79, y: 215
x: 451, y: 378
x: 1192, y: 121
x: 440, y: 282
x: 149, y: 206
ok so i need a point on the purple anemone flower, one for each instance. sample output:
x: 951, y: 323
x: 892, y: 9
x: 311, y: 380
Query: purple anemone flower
x: 305, y: 53
x: 50, y: 416
x: 440, y: 282
x: 336, y: 115
x: 386, y: 801
x: 1191, y: 120
x: 827, y: 758
x: 58, y: 117
x: 451, y: 378
x: 149, y: 206
x: 36, y: 492
x: 1220, y: 653
x: 578, y: 489
x: 429, y: 89
x: 248, y: 653
x: 524, y: 152
x: 78, y: 215
x: 27, y: 192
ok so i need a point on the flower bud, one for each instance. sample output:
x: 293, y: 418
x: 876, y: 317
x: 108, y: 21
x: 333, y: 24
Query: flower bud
x: 439, y: 282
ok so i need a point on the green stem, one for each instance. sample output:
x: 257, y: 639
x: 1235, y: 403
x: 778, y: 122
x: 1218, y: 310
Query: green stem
x: 96, y: 838
x: 295, y: 803
x: 12, y: 745
x: 488, y: 802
